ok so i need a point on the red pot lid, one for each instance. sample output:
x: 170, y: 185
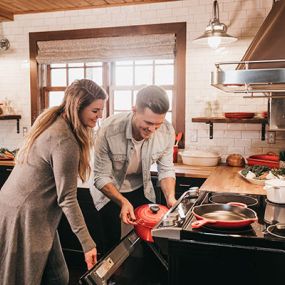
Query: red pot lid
x: 149, y: 215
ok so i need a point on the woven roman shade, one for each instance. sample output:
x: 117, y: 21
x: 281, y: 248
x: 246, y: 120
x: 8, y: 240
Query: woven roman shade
x: 107, y: 49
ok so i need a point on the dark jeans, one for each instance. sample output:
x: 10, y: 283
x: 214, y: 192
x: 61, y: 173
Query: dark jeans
x: 110, y: 216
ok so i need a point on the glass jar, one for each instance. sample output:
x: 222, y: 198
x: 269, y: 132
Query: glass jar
x: 208, y: 109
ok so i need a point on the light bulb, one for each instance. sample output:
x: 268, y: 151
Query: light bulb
x: 214, y: 42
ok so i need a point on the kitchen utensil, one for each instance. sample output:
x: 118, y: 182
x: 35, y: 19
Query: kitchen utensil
x: 175, y: 147
x: 239, y: 115
x: 178, y: 138
x: 148, y: 216
x: 223, y: 216
x: 274, y: 213
x: 275, y: 190
x: 225, y: 198
x: 200, y: 158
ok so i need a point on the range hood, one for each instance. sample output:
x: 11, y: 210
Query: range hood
x: 262, y: 68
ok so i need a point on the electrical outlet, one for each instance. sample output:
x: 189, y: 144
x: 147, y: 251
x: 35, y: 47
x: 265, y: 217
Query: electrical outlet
x: 271, y: 137
x: 25, y: 130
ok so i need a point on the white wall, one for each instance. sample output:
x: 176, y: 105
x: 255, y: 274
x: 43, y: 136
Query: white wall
x: 243, y: 18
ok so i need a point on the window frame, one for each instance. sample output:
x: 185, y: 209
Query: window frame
x: 179, y: 29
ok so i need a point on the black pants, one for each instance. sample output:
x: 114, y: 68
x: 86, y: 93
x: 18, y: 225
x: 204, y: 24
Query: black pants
x: 110, y: 217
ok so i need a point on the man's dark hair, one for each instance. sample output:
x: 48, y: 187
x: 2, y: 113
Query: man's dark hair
x: 153, y: 97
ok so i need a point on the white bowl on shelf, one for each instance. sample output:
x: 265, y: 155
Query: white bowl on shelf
x: 200, y: 158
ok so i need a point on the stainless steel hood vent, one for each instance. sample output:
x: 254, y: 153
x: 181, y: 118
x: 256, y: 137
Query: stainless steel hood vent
x: 248, y: 80
x: 262, y: 68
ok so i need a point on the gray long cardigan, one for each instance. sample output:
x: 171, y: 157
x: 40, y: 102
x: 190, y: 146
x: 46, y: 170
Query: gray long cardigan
x: 31, y: 204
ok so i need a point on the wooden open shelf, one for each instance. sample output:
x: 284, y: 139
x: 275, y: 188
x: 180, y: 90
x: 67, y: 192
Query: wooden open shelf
x: 12, y: 117
x: 212, y: 120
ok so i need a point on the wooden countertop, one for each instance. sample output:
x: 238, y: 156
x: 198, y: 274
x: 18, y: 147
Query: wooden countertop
x: 182, y: 170
x: 7, y: 162
x: 219, y: 178
x: 227, y: 179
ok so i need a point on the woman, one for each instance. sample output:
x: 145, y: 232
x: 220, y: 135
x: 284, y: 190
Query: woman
x: 43, y: 184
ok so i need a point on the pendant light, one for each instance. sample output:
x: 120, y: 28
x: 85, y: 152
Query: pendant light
x: 216, y: 32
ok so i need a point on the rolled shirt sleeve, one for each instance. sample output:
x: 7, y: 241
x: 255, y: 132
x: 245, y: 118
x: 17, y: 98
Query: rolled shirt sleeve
x: 165, y: 165
x: 103, y: 168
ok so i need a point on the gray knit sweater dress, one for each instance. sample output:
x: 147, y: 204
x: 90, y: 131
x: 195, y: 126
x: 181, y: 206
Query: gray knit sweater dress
x: 31, y: 204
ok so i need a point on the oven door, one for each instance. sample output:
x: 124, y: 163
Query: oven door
x: 131, y: 262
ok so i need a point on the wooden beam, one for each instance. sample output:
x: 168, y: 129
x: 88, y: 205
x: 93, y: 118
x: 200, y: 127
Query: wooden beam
x: 6, y: 15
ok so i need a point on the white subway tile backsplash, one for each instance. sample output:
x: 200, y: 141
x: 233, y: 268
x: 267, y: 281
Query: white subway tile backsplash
x: 243, y: 17
x: 242, y: 142
x: 251, y: 135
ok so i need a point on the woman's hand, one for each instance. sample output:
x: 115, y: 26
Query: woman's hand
x: 127, y: 213
x: 91, y: 257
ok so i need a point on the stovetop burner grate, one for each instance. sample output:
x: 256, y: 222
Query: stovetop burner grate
x: 253, y: 235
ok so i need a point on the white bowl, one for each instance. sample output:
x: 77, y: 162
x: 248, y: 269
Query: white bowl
x: 200, y: 158
x: 275, y: 189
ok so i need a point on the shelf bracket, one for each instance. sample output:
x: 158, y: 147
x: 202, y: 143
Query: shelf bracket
x: 263, y: 125
x: 12, y: 117
x: 18, y: 126
x: 211, y: 130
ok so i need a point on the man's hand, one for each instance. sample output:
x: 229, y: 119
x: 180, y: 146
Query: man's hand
x: 127, y: 213
x: 168, y: 188
x: 91, y: 258
x: 170, y: 201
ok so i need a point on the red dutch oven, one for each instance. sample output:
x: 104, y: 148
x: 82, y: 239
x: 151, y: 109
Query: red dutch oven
x: 270, y: 159
x: 147, y: 216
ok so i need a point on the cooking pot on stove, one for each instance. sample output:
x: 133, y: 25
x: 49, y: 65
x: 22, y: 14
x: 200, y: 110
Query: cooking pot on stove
x: 277, y: 230
x: 275, y: 189
x: 274, y: 213
x: 225, y: 198
x: 147, y: 216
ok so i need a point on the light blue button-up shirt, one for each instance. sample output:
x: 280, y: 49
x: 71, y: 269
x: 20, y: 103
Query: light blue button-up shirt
x: 114, y: 147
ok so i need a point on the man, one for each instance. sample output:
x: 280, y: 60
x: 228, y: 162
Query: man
x: 126, y: 146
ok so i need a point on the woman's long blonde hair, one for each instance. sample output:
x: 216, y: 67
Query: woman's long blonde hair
x: 80, y: 94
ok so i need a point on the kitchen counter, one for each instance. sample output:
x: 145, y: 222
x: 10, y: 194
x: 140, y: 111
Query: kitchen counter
x: 227, y: 179
x: 183, y: 170
x: 218, y: 178
x: 7, y: 162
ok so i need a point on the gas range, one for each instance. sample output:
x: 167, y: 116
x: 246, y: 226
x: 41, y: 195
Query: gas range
x: 219, y: 256
x: 177, y: 223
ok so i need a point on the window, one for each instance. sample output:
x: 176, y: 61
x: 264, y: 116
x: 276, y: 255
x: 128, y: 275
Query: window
x: 130, y: 76
x: 59, y: 76
x: 121, y: 79
x: 124, y: 80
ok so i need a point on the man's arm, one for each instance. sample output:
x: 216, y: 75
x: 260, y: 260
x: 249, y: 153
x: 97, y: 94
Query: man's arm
x: 168, y: 188
x: 127, y: 210
x: 102, y: 163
